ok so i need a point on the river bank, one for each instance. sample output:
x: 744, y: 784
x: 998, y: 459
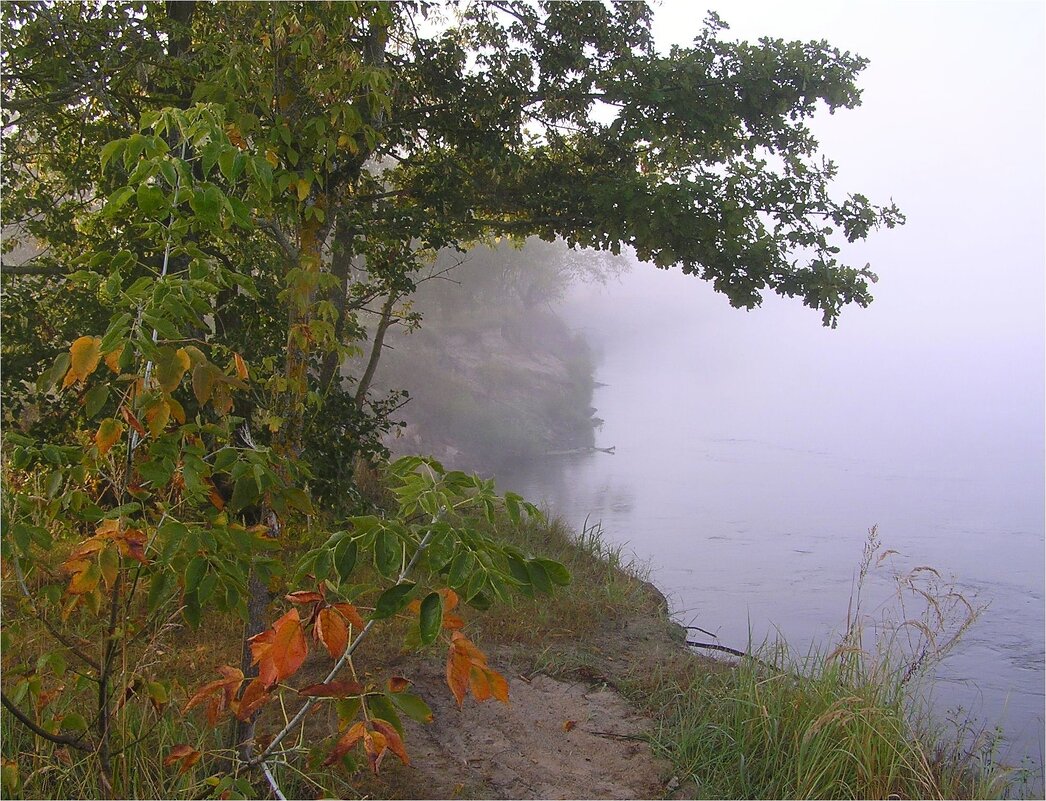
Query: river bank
x: 607, y: 701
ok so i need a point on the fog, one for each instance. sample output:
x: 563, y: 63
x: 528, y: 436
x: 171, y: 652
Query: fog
x: 754, y: 449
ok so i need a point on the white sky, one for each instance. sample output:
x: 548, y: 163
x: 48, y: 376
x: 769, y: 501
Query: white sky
x: 951, y: 127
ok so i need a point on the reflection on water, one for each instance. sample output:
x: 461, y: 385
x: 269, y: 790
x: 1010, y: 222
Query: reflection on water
x: 749, y: 492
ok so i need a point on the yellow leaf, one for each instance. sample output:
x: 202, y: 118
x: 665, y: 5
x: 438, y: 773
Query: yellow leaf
x: 109, y: 563
x: 108, y: 433
x: 177, y: 411
x: 112, y: 360
x: 170, y: 367
x: 157, y: 415
x: 84, y: 355
x: 303, y: 187
x: 241, y: 366
x: 270, y: 156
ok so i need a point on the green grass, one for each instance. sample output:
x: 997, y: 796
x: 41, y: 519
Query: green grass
x: 827, y: 726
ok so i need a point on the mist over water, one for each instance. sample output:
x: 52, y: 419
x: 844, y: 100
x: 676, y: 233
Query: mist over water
x: 754, y: 451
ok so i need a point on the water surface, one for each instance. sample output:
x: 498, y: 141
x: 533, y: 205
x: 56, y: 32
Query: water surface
x: 754, y: 451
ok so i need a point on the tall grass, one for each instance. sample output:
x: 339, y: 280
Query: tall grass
x: 845, y: 723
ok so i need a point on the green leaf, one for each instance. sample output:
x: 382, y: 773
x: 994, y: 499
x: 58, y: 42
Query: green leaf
x: 74, y: 721
x: 95, y: 399
x: 150, y: 199
x: 298, y: 499
x: 117, y: 200
x: 538, y: 576
x: 387, y: 553
x: 392, y: 600
x: 557, y: 572
x: 158, y: 589
x: 379, y: 706
x: 244, y: 493
x: 430, y: 621
x: 194, y: 573
x: 460, y: 569
x: 413, y: 707
x: 345, y: 558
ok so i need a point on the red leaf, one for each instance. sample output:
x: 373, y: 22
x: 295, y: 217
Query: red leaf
x: 341, y: 688
x: 398, y: 684
x: 279, y: 651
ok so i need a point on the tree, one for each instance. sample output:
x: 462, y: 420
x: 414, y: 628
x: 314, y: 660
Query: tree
x: 223, y: 190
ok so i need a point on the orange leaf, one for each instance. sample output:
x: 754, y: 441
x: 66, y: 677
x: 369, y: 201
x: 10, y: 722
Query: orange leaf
x: 569, y: 725
x: 132, y: 421
x: 348, y: 611
x: 498, y: 685
x: 392, y: 739
x: 84, y: 355
x: 330, y: 629
x: 254, y: 698
x: 280, y: 650
x: 241, y: 366
x: 458, y: 667
x: 215, y: 496
x: 375, y: 744
x: 478, y: 684
x: 185, y: 754
x: 108, y: 433
x: 452, y: 622
x: 221, y: 693
x: 450, y: 599
x: 346, y: 742
x: 398, y: 684
x: 341, y: 688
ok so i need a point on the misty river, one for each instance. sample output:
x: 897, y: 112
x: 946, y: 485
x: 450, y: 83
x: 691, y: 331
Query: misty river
x: 755, y: 450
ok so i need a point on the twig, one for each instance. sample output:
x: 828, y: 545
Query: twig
x: 733, y: 651
x: 60, y: 739
x: 272, y: 782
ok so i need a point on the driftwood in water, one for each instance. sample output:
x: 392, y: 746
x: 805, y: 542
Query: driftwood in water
x: 576, y: 451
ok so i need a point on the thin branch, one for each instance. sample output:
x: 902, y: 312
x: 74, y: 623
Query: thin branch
x: 29, y: 268
x: 272, y: 782
x: 60, y: 739
x: 288, y: 247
